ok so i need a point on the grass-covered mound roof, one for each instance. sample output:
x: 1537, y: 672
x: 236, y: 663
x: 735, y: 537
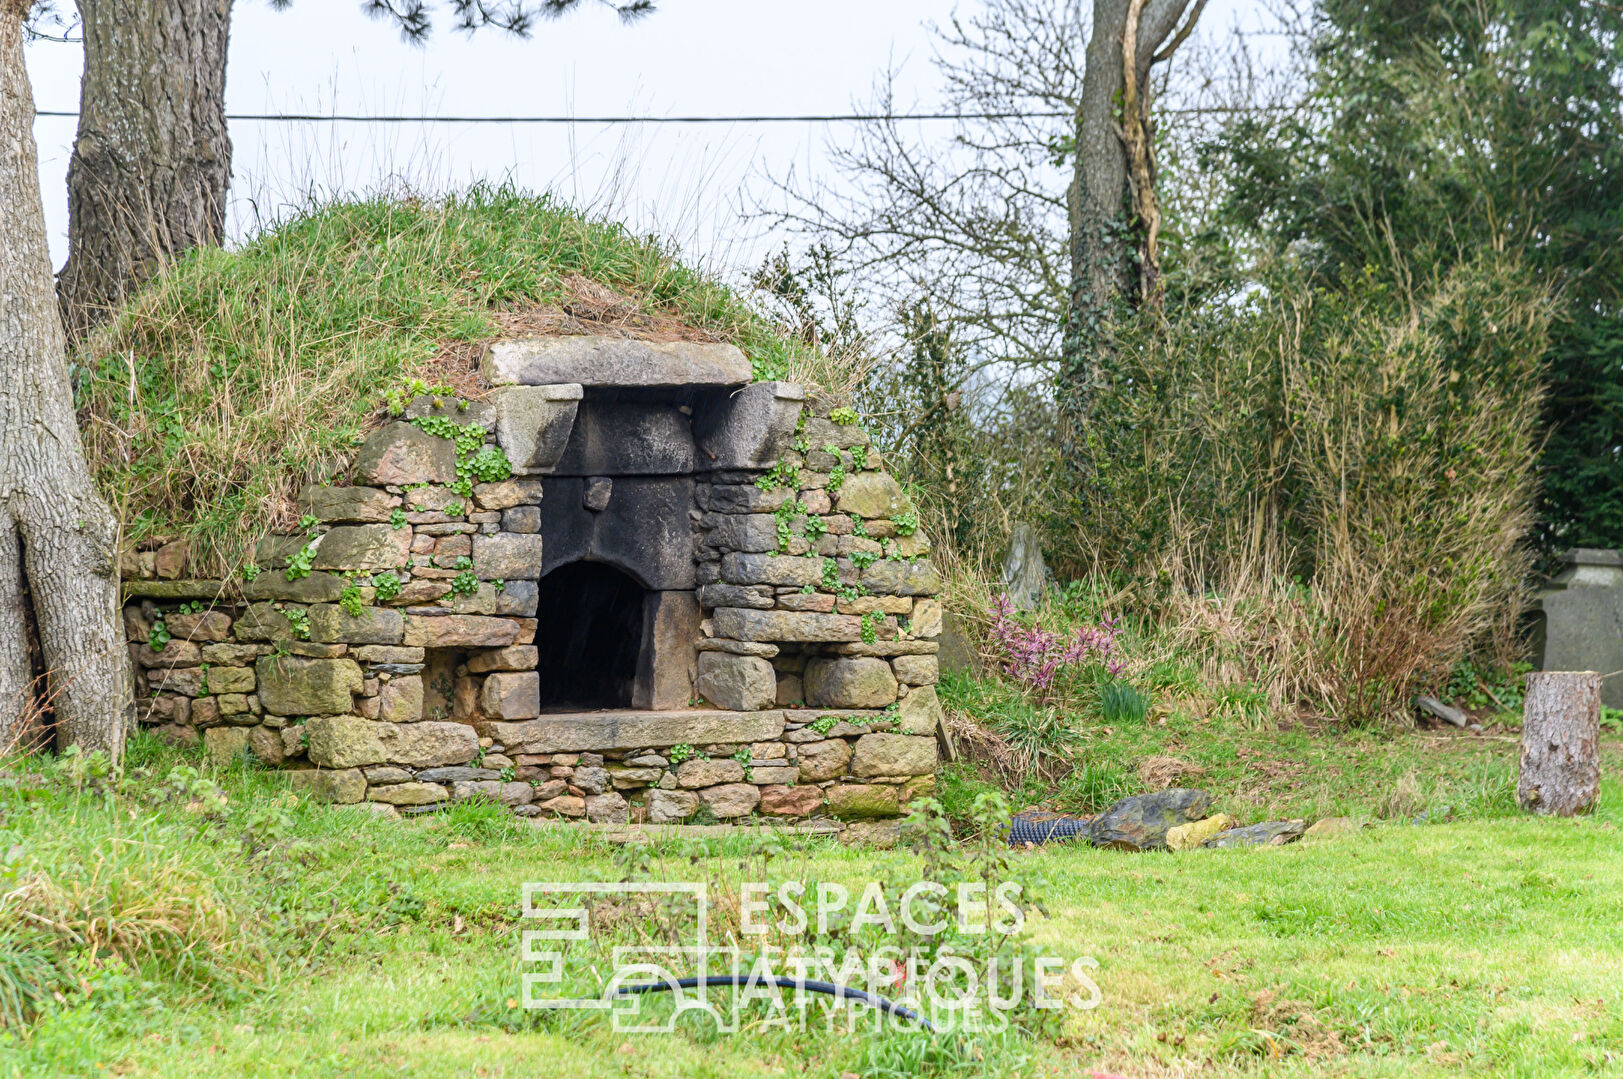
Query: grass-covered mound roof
x: 240, y: 375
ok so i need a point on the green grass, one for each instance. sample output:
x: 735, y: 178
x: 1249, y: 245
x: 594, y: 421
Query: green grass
x: 239, y: 375
x: 1256, y: 770
x: 275, y: 937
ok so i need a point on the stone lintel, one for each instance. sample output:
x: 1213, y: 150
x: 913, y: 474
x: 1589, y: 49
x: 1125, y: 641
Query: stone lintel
x: 533, y: 423
x: 612, y: 361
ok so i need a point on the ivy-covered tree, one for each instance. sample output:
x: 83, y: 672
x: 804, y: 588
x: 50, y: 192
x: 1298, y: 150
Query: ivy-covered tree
x: 1114, y: 216
x: 1447, y: 128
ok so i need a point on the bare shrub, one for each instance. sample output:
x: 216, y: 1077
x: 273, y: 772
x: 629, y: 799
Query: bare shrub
x: 1327, y: 493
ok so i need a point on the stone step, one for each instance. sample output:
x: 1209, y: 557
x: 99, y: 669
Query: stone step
x: 577, y: 732
x: 643, y: 833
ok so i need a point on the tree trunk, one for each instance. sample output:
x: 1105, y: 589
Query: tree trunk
x: 152, y: 159
x: 1560, y: 743
x: 1113, y: 220
x: 53, y: 525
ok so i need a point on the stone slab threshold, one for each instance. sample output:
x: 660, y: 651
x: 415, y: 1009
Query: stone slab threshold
x: 594, y: 732
x: 587, y: 732
x: 647, y: 833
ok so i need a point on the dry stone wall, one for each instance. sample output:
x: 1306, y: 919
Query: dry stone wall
x: 386, y: 653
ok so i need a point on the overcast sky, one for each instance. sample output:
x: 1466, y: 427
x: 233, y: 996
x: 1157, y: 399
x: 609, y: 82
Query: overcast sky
x: 691, y: 57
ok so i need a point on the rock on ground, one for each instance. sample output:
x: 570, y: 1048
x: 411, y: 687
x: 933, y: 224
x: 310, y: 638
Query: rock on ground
x: 1191, y: 835
x: 1270, y: 833
x: 1142, y: 821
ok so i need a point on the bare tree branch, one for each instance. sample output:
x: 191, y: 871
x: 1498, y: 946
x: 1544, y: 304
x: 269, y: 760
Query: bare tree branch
x: 1182, y: 35
x: 976, y: 223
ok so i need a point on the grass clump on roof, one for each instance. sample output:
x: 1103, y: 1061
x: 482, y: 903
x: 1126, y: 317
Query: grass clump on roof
x: 240, y: 375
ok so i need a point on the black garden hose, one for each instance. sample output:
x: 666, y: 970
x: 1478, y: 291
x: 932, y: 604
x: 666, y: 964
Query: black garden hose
x: 1023, y: 830
x: 832, y: 989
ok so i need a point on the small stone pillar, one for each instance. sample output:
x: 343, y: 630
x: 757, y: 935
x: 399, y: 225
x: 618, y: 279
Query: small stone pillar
x: 1583, y: 619
x: 1025, y: 575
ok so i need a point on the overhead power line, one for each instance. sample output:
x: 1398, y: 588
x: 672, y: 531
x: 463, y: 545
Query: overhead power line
x: 851, y: 117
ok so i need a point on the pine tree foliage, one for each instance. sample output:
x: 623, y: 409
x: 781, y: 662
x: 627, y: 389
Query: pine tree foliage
x: 1448, y: 128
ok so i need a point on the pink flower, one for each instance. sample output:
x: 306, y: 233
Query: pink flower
x: 1034, y: 656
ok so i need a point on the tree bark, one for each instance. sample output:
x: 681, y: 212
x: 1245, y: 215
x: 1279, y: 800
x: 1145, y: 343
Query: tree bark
x: 1113, y: 218
x: 152, y: 159
x: 53, y: 524
x: 1560, y: 771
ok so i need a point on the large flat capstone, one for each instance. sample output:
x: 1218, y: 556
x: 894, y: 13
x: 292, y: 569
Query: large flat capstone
x: 578, y: 732
x: 612, y: 361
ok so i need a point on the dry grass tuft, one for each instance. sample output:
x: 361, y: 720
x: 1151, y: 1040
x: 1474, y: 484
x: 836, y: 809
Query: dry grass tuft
x: 1404, y: 799
x: 1293, y: 1027
x: 1159, y: 773
x: 591, y: 307
x: 983, y: 746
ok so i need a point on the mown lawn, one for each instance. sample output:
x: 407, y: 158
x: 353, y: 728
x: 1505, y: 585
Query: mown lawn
x: 283, y: 938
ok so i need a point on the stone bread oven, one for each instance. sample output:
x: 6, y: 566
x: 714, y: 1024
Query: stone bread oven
x: 629, y: 584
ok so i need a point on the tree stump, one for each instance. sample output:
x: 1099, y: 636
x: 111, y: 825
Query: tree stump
x: 1560, y: 770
